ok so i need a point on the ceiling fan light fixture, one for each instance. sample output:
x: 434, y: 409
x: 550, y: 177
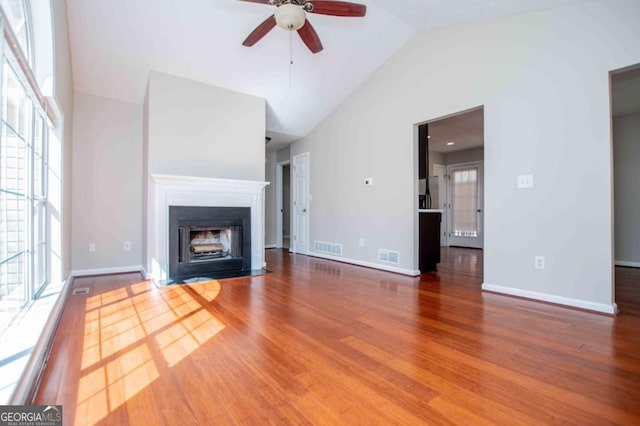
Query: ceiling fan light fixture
x: 290, y: 17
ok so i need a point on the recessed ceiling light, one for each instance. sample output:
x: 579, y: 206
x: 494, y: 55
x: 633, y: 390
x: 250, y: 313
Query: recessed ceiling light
x: 450, y: 143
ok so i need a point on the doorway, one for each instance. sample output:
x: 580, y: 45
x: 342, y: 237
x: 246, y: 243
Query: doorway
x: 456, y: 176
x: 283, y: 205
x: 625, y: 102
x: 625, y: 124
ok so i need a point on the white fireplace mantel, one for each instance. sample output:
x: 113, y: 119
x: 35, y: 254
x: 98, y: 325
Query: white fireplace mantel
x: 170, y: 190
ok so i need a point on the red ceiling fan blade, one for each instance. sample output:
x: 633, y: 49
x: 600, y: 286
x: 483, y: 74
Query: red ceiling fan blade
x: 310, y: 37
x: 338, y: 8
x: 260, y: 31
x: 257, y: 1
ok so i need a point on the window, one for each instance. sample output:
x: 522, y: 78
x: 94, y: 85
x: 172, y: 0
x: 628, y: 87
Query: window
x: 23, y: 178
x: 16, y: 12
x: 465, y: 203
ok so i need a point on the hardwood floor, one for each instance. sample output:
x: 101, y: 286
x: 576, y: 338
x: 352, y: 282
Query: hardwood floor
x: 319, y: 342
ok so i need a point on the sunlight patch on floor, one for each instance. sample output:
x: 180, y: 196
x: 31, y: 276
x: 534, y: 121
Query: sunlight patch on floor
x: 121, y: 330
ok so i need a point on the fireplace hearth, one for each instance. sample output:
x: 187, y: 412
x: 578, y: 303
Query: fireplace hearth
x: 206, y: 241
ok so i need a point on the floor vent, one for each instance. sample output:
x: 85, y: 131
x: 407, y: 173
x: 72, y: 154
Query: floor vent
x: 327, y: 248
x: 81, y: 290
x: 388, y: 256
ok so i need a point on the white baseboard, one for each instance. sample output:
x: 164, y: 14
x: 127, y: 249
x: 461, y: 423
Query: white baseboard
x: 367, y: 264
x: 271, y: 246
x: 627, y: 264
x: 108, y: 271
x: 611, y: 309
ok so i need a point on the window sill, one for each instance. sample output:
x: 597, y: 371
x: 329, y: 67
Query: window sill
x: 24, y: 344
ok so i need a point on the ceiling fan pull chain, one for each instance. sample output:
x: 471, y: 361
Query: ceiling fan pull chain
x: 290, y: 59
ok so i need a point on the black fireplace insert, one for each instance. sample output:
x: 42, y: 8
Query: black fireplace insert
x: 209, y: 240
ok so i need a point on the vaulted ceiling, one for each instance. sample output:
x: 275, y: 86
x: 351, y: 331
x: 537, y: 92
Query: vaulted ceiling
x: 115, y: 43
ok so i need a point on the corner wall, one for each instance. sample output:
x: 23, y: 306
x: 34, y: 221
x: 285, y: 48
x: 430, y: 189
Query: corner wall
x: 543, y: 79
x: 63, y: 89
x: 270, y: 207
x: 107, y: 184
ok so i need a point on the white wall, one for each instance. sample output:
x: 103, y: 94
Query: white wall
x: 286, y: 200
x: 626, y: 154
x: 63, y: 89
x: 200, y: 130
x: 543, y: 81
x: 284, y: 154
x: 107, y: 183
x: 436, y: 158
x: 465, y: 156
x: 145, y: 181
x: 270, y: 200
x: 271, y: 208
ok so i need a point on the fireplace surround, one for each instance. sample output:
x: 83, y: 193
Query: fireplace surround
x: 165, y: 191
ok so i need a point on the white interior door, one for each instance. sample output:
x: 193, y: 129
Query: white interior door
x: 300, y: 236
x: 465, y: 216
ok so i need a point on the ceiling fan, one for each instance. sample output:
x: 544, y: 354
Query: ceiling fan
x: 291, y: 15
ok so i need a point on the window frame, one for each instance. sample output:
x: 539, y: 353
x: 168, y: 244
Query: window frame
x: 36, y: 251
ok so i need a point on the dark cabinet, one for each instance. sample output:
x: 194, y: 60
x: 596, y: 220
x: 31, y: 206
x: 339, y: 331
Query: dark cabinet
x: 429, y: 249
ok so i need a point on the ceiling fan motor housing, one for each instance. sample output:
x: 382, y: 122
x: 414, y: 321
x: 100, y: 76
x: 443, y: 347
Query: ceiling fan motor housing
x: 290, y: 17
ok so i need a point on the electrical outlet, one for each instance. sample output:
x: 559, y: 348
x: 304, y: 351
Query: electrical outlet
x: 525, y: 181
x: 127, y: 246
x: 92, y: 247
x: 361, y: 242
x: 368, y: 181
x: 539, y: 262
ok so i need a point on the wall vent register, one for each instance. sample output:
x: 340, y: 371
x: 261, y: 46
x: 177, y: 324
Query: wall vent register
x: 328, y: 248
x: 388, y: 256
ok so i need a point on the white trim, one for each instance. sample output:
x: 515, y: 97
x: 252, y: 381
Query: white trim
x: 611, y: 309
x: 222, y: 185
x: 108, y: 271
x: 145, y: 274
x: 171, y: 190
x: 402, y: 271
x: 627, y: 264
x: 271, y: 246
x: 279, y: 205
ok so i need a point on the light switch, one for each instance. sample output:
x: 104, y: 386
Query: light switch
x: 525, y: 181
x: 368, y: 181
